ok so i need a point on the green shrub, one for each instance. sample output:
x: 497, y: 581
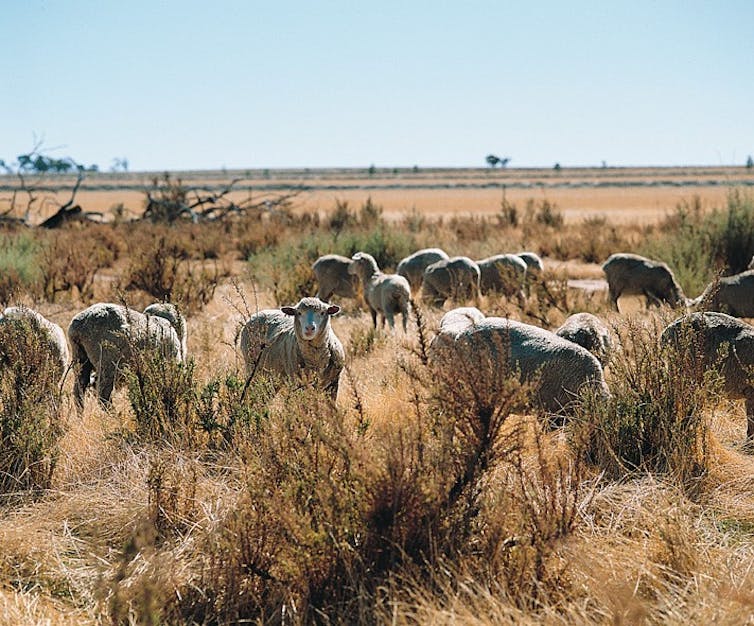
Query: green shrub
x: 163, y: 396
x: 654, y: 421
x: 19, y: 265
x: 30, y: 411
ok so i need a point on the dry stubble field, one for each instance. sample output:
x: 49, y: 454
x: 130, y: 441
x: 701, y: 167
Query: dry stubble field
x: 308, y: 512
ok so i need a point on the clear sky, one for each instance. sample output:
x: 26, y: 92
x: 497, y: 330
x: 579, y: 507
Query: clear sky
x: 183, y: 84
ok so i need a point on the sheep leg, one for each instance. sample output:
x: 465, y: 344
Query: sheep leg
x: 388, y: 315
x: 374, y: 317
x: 613, y: 296
x: 105, y: 383
x: 652, y: 299
x: 84, y: 368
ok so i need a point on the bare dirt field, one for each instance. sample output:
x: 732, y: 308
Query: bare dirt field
x: 620, y: 194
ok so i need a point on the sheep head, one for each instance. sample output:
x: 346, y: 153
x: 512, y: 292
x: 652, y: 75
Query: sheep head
x: 363, y: 265
x: 311, y: 317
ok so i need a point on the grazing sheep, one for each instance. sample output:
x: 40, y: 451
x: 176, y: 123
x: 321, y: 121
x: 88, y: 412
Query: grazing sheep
x: 295, y: 342
x: 724, y: 343
x: 590, y: 332
x: 53, y: 333
x: 456, y: 278
x: 413, y: 266
x: 452, y: 324
x: 103, y: 338
x: 559, y: 368
x: 534, y: 264
x: 634, y: 275
x: 386, y: 294
x: 731, y: 294
x: 504, y: 273
x: 171, y: 313
x: 331, y: 272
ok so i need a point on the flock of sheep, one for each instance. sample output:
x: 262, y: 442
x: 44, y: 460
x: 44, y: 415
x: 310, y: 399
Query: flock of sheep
x: 299, y: 343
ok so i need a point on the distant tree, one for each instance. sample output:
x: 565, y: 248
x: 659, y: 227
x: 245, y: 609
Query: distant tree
x: 119, y: 165
x: 504, y: 161
x: 492, y: 160
x: 372, y: 170
x: 604, y: 165
x: 556, y: 167
x: 749, y: 163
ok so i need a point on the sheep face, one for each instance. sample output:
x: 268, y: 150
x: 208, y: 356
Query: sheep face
x: 311, y: 317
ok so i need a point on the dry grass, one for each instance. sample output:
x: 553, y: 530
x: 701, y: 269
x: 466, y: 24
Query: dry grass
x: 389, y: 506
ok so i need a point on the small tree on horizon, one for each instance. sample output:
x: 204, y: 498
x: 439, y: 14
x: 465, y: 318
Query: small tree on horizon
x: 492, y: 160
x: 749, y: 163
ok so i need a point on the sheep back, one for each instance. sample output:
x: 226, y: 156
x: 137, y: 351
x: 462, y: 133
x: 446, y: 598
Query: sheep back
x: 331, y: 272
x: 590, y: 332
x: 53, y: 335
x: 731, y: 294
x: 722, y: 341
x: 558, y: 368
x: 503, y: 273
x: 413, y: 266
x: 456, y: 278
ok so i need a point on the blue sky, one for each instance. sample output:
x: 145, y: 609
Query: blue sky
x: 247, y: 84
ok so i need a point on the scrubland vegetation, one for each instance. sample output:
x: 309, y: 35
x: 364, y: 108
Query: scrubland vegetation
x: 203, y: 497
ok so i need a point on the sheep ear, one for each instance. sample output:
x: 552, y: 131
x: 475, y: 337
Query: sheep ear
x: 288, y: 310
x: 333, y: 309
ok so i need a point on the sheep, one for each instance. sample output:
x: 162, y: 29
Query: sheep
x: 331, y: 272
x: 590, y: 332
x: 558, y: 368
x: 103, y: 338
x: 731, y: 294
x: 386, y: 294
x: 171, y: 313
x: 456, y: 278
x: 295, y: 342
x: 452, y: 324
x: 723, y: 343
x: 534, y: 264
x: 634, y: 275
x: 505, y: 273
x: 52, y: 333
x: 413, y: 266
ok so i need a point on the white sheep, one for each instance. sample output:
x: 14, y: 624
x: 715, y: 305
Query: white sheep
x: 723, y: 343
x: 456, y: 278
x: 413, y: 266
x: 534, y: 265
x: 558, y: 368
x: 730, y: 294
x: 634, y: 275
x: 331, y: 272
x: 171, y: 313
x: 103, y: 338
x: 53, y: 334
x: 386, y: 294
x: 296, y: 343
x: 504, y: 273
x: 590, y: 332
